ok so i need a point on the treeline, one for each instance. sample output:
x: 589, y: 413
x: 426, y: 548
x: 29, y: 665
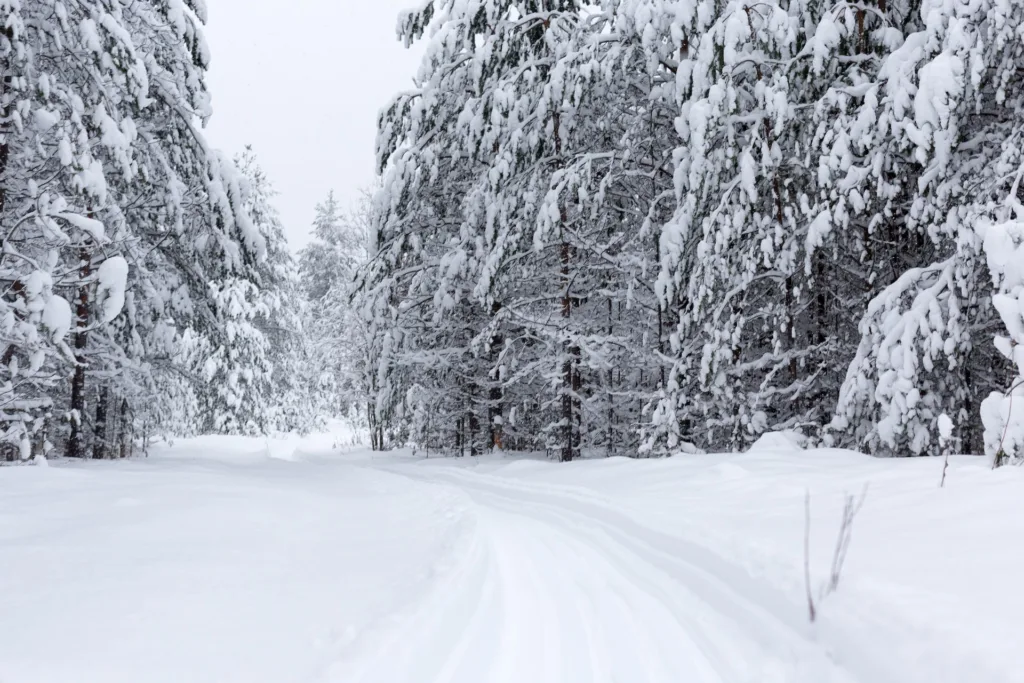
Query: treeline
x: 649, y: 226
x: 146, y: 284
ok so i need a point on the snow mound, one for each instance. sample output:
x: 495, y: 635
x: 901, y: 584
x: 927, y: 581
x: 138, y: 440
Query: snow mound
x: 91, y: 226
x: 688, y: 448
x: 280, y: 449
x: 112, y: 278
x: 57, y: 317
x: 786, y: 440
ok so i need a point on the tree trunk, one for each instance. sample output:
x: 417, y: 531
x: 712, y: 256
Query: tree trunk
x: 39, y: 441
x: 570, y: 352
x: 570, y: 378
x: 117, y: 427
x: 75, y: 447
x: 99, y: 444
x: 496, y: 410
x: 5, y: 113
x: 474, y: 428
x: 127, y: 436
x: 458, y: 437
x: 610, y: 389
x: 371, y: 424
x: 471, y: 421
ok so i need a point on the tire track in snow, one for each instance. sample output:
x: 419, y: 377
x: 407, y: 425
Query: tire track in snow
x: 653, y: 638
x: 742, y: 630
x: 458, y: 586
x: 733, y: 602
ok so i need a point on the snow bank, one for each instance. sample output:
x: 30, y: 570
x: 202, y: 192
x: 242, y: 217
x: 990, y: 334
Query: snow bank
x: 787, y: 440
x: 920, y: 599
x: 229, y: 568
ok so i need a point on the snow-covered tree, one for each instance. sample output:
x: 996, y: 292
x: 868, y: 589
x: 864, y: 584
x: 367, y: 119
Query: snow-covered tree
x: 945, y: 121
x: 335, y: 373
x: 521, y: 178
x: 252, y: 381
x: 655, y: 226
x: 123, y: 229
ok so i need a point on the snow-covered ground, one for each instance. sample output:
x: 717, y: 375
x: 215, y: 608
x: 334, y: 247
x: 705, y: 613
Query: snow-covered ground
x: 230, y: 560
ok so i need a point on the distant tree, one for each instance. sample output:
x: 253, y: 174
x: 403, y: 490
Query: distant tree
x: 336, y: 340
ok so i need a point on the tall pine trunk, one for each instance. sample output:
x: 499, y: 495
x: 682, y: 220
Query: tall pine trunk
x: 472, y: 420
x: 126, y: 431
x: 5, y: 113
x: 496, y: 409
x: 99, y: 444
x: 570, y: 352
x: 570, y: 363
x: 610, y: 391
x: 371, y: 422
x: 75, y: 447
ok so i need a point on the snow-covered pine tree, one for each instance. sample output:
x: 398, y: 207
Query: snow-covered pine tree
x: 941, y: 125
x: 754, y: 349
x: 417, y: 286
x: 280, y: 312
x: 820, y: 229
x: 250, y: 383
x: 557, y: 131
x: 338, y: 247
x: 55, y: 200
x: 802, y: 196
x: 412, y: 292
x: 336, y: 369
x: 107, y: 180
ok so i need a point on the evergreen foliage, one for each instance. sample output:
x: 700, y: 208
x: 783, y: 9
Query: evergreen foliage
x: 652, y: 226
x: 135, y: 257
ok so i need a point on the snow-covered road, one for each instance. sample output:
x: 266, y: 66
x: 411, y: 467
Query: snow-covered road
x: 212, y: 563
x: 561, y: 586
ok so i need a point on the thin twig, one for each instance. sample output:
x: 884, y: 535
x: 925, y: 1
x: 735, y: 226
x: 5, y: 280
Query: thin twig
x: 807, y: 555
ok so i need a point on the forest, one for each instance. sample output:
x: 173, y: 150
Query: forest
x: 148, y: 287
x: 619, y: 227
x: 642, y: 227
x: 643, y: 341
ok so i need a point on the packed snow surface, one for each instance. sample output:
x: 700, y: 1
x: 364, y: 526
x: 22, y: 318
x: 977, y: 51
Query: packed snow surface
x: 222, y: 560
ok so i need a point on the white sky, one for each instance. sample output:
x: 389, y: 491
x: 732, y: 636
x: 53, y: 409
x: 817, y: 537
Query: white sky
x: 302, y: 82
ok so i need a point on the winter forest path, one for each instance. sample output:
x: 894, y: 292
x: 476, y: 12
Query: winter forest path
x: 226, y: 560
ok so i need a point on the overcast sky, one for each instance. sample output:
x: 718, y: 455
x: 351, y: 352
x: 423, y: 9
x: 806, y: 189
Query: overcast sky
x: 302, y: 82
